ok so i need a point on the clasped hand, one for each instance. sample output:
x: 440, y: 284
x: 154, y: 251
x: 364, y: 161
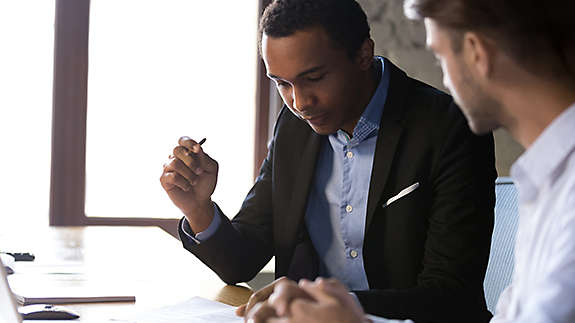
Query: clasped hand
x: 285, y: 301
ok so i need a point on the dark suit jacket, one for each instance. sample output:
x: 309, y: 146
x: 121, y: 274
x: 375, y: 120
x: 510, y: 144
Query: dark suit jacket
x: 425, y: 255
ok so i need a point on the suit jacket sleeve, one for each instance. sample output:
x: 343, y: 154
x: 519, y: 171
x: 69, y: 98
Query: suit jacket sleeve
x: 456, y: 250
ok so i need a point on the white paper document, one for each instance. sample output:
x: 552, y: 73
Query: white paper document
x: 66, y: 288
x: 201, y: 310
x: 194, y: 310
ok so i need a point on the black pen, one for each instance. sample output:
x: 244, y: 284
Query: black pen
x: 189, y: 152
x: 20, y: 256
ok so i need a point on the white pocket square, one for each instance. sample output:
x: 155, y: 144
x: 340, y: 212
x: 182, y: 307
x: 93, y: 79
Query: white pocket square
x: 401, y: 194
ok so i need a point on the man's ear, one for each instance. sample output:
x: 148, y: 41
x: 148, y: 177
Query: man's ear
x: 478, y: 53
x: 365, y: 54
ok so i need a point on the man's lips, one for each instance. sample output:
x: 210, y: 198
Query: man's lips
x: 315, y: 118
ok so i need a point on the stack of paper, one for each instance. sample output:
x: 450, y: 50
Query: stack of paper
x: 195, y: 310
x: 66, y: 289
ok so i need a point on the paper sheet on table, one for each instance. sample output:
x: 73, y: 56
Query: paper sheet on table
x: 194, y: 310
x: 201, y: 310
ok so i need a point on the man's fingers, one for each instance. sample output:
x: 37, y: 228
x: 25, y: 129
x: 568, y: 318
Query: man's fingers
x: 262, y: 294
x: 180, y: 168
x: 241, y: 310
x: 260, y: 313
x: 330, y: 285
x: 256, y: 298
x: 336, y: 289
x: 283, y: 294
x: 192, y: 154
x: 172, y: 180
x: 190, y: 160
x: 303, y: 310
x: 207, y: 163
x: 188, y: 143
x: 319, y: 292
x: 280, y: 320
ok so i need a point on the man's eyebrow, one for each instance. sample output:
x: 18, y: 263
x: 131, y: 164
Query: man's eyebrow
x: 311, y: 70
x: 308, y: 71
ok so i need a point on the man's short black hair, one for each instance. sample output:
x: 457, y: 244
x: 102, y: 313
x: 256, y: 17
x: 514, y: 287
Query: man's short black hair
x: 344, y: 21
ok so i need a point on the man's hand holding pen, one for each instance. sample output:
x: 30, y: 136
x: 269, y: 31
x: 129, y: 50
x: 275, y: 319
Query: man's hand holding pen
x: 189, y: 178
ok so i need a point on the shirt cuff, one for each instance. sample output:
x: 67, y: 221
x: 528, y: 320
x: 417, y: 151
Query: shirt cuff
x: 207, y: 233
x: 377, y: 319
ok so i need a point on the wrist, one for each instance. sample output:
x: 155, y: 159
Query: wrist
x: 200, y: 217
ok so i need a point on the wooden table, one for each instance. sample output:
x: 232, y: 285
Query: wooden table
x: 145, y: 261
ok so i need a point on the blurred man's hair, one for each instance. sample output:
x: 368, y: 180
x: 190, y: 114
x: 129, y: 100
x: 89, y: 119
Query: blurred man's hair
x: 538, y: 35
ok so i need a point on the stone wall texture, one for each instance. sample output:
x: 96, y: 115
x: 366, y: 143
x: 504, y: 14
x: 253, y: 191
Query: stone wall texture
x: 403, y: 42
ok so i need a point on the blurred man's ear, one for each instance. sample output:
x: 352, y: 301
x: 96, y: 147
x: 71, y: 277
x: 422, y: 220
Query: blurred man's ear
x: 478, y: 53
x: 365, y: 54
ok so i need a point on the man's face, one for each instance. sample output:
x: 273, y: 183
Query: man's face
x: 478, y: 107
x: 316, y: 80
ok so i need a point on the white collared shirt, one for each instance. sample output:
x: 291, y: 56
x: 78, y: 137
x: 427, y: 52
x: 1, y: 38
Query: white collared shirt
x: 543, y: 285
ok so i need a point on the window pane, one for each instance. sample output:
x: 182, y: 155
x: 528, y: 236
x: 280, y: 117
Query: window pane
x: 26, y: 65
x: 161, y: 69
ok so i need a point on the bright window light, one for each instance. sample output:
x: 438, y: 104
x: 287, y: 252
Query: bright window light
x: 26, y: 68
x: 159, y: 70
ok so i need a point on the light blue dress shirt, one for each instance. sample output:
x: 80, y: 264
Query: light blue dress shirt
x: 337, y: 203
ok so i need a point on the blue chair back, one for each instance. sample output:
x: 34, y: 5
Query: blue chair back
x: 501, y: 258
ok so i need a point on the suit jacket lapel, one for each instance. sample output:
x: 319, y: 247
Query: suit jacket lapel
x: 388, y: 137
x: 303, y: 180
x: 290, y: 221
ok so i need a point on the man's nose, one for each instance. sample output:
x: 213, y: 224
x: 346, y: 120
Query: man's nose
x: 301, y: 100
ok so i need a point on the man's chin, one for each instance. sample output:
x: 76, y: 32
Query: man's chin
x: 323, y: 130
x: 481, y: 127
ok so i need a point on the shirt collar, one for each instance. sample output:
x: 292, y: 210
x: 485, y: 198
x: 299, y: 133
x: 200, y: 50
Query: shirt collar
x: 368, y: 123
x: 538, y: 164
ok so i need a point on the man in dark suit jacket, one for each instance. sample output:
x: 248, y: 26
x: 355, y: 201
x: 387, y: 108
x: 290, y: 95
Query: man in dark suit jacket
x: 428, y: 208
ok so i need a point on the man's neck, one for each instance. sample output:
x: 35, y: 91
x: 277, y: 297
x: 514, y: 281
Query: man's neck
x: 372, y: 81
x: 534, y: 107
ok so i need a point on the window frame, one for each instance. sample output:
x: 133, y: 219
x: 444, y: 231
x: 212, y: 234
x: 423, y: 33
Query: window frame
x: 69, y: 112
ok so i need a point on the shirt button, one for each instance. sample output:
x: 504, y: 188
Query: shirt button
x: 348, y: 209
x: 349, y: 154
x: 353, y: 254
